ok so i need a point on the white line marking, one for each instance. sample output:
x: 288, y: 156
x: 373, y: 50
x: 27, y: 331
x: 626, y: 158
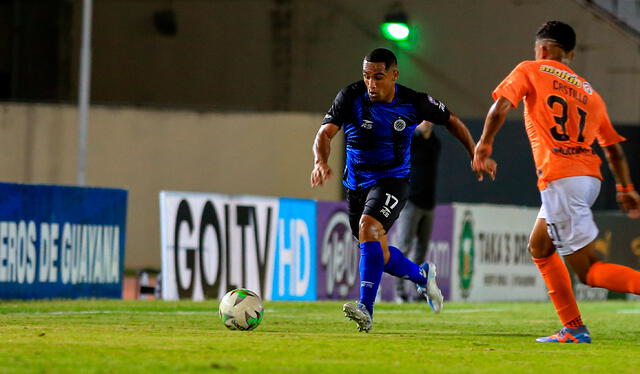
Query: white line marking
x: 444, y: 311
x: 107, y: 312
x: 629, y: 311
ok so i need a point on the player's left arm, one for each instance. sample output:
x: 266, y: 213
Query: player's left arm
x: 626, y: 196
x: 435, y: 111
x: 492, y: 124
x: 457, y: 128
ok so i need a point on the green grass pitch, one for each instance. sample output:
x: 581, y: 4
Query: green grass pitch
x: 97, y: 336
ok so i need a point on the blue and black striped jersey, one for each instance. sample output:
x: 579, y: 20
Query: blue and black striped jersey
x: 378, y: 135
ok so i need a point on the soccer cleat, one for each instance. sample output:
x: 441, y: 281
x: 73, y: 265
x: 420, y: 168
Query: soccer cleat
x: 430, y: 290
x: 358, y: 312
x: 567, y: 335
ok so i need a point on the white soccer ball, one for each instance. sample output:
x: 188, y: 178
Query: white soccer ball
x: 241, y: 309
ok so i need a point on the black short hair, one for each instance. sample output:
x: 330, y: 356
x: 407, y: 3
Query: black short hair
x: 382, y: 55
x: 560, y: 33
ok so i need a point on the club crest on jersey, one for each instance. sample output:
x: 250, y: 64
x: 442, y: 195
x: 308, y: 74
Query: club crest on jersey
x: 366, y: 124
x: 399, y: 124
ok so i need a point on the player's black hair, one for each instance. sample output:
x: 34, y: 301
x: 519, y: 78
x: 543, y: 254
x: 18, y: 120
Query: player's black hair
x: 382, y: 55
x: 559, y: 32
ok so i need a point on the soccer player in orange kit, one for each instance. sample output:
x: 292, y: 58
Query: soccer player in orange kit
x: 564, y: 115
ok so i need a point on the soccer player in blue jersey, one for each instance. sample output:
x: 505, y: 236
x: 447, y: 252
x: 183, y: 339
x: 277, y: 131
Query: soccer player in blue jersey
x: 378, y: 117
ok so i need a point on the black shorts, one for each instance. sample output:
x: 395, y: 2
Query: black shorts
x: 383, y: 201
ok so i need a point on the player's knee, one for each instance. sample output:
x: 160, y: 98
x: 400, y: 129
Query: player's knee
x: 582, y: 276
x: 370, y: 229
x: 532, y: 249
x: 581, y: 272
x: 538, y: 251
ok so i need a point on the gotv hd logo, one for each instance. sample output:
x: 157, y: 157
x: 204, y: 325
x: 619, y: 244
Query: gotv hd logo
x: 466, y: 254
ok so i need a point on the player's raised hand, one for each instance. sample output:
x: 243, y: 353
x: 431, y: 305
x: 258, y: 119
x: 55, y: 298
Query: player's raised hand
x: 491, y: 167
x: 320, y: 174
x: 482, y: 164
x: 629, y: 203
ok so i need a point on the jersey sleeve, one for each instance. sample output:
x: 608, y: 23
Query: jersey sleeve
x: 431, y: 109
x: 607, y: 135
x: 514, y: 87
x: 341, y: 110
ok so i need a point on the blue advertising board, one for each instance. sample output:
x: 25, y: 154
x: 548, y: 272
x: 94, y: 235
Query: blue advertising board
x: 294, y: 266
x: 61, y: 242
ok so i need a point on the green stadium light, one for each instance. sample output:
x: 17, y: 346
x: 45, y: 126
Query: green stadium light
x: 396, y: 24
x: 395, y: 31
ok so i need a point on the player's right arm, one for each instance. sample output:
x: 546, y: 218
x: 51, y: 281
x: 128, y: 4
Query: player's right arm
x: 340, y: 113
x: 321, y: 149
x: 627, y: 197
x: 507, y: 95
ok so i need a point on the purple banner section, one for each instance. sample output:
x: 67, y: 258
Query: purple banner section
x: 339, y: 255
x: 441, y: 247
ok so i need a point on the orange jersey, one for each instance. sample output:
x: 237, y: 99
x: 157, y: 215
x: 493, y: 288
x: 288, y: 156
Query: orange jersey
x: 563, y: 116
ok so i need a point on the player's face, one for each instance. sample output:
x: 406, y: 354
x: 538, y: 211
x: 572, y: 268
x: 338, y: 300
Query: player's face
x: 380, y: 81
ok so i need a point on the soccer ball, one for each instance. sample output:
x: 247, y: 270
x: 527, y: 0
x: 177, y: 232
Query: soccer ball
x: 241, y: 309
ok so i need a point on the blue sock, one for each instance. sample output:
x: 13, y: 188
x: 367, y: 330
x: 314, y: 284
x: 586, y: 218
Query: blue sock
x: 401, y: 267
x: 371, y: 269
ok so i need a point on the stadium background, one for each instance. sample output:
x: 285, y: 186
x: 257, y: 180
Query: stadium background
x: 230, y: 102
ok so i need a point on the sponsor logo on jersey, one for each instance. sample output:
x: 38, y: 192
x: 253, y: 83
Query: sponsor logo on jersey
x: 366, y: 124
x: 562, y: 74
x: 385, y: 211
x: 399, y: 124
x: 572, y: 150
x: 435, y: 102
x: 587, y: 88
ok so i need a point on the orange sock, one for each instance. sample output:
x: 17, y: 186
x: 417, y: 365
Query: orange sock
x: 614, y: 277
x: 556, y: 277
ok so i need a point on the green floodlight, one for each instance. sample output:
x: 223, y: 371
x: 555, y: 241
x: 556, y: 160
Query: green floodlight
x: 395, y: 31
x: 396, y: 24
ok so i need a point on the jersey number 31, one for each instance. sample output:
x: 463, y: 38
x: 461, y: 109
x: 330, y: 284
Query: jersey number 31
x: 559, y: 132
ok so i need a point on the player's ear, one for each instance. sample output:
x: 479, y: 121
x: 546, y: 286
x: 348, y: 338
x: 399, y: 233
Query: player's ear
x: 396, y: 74
x: 544, y: 52
x: 569, y: 56
x: 537, y: 51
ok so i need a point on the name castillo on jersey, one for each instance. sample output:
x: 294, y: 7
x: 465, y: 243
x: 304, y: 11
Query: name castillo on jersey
x: 572, y: 80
